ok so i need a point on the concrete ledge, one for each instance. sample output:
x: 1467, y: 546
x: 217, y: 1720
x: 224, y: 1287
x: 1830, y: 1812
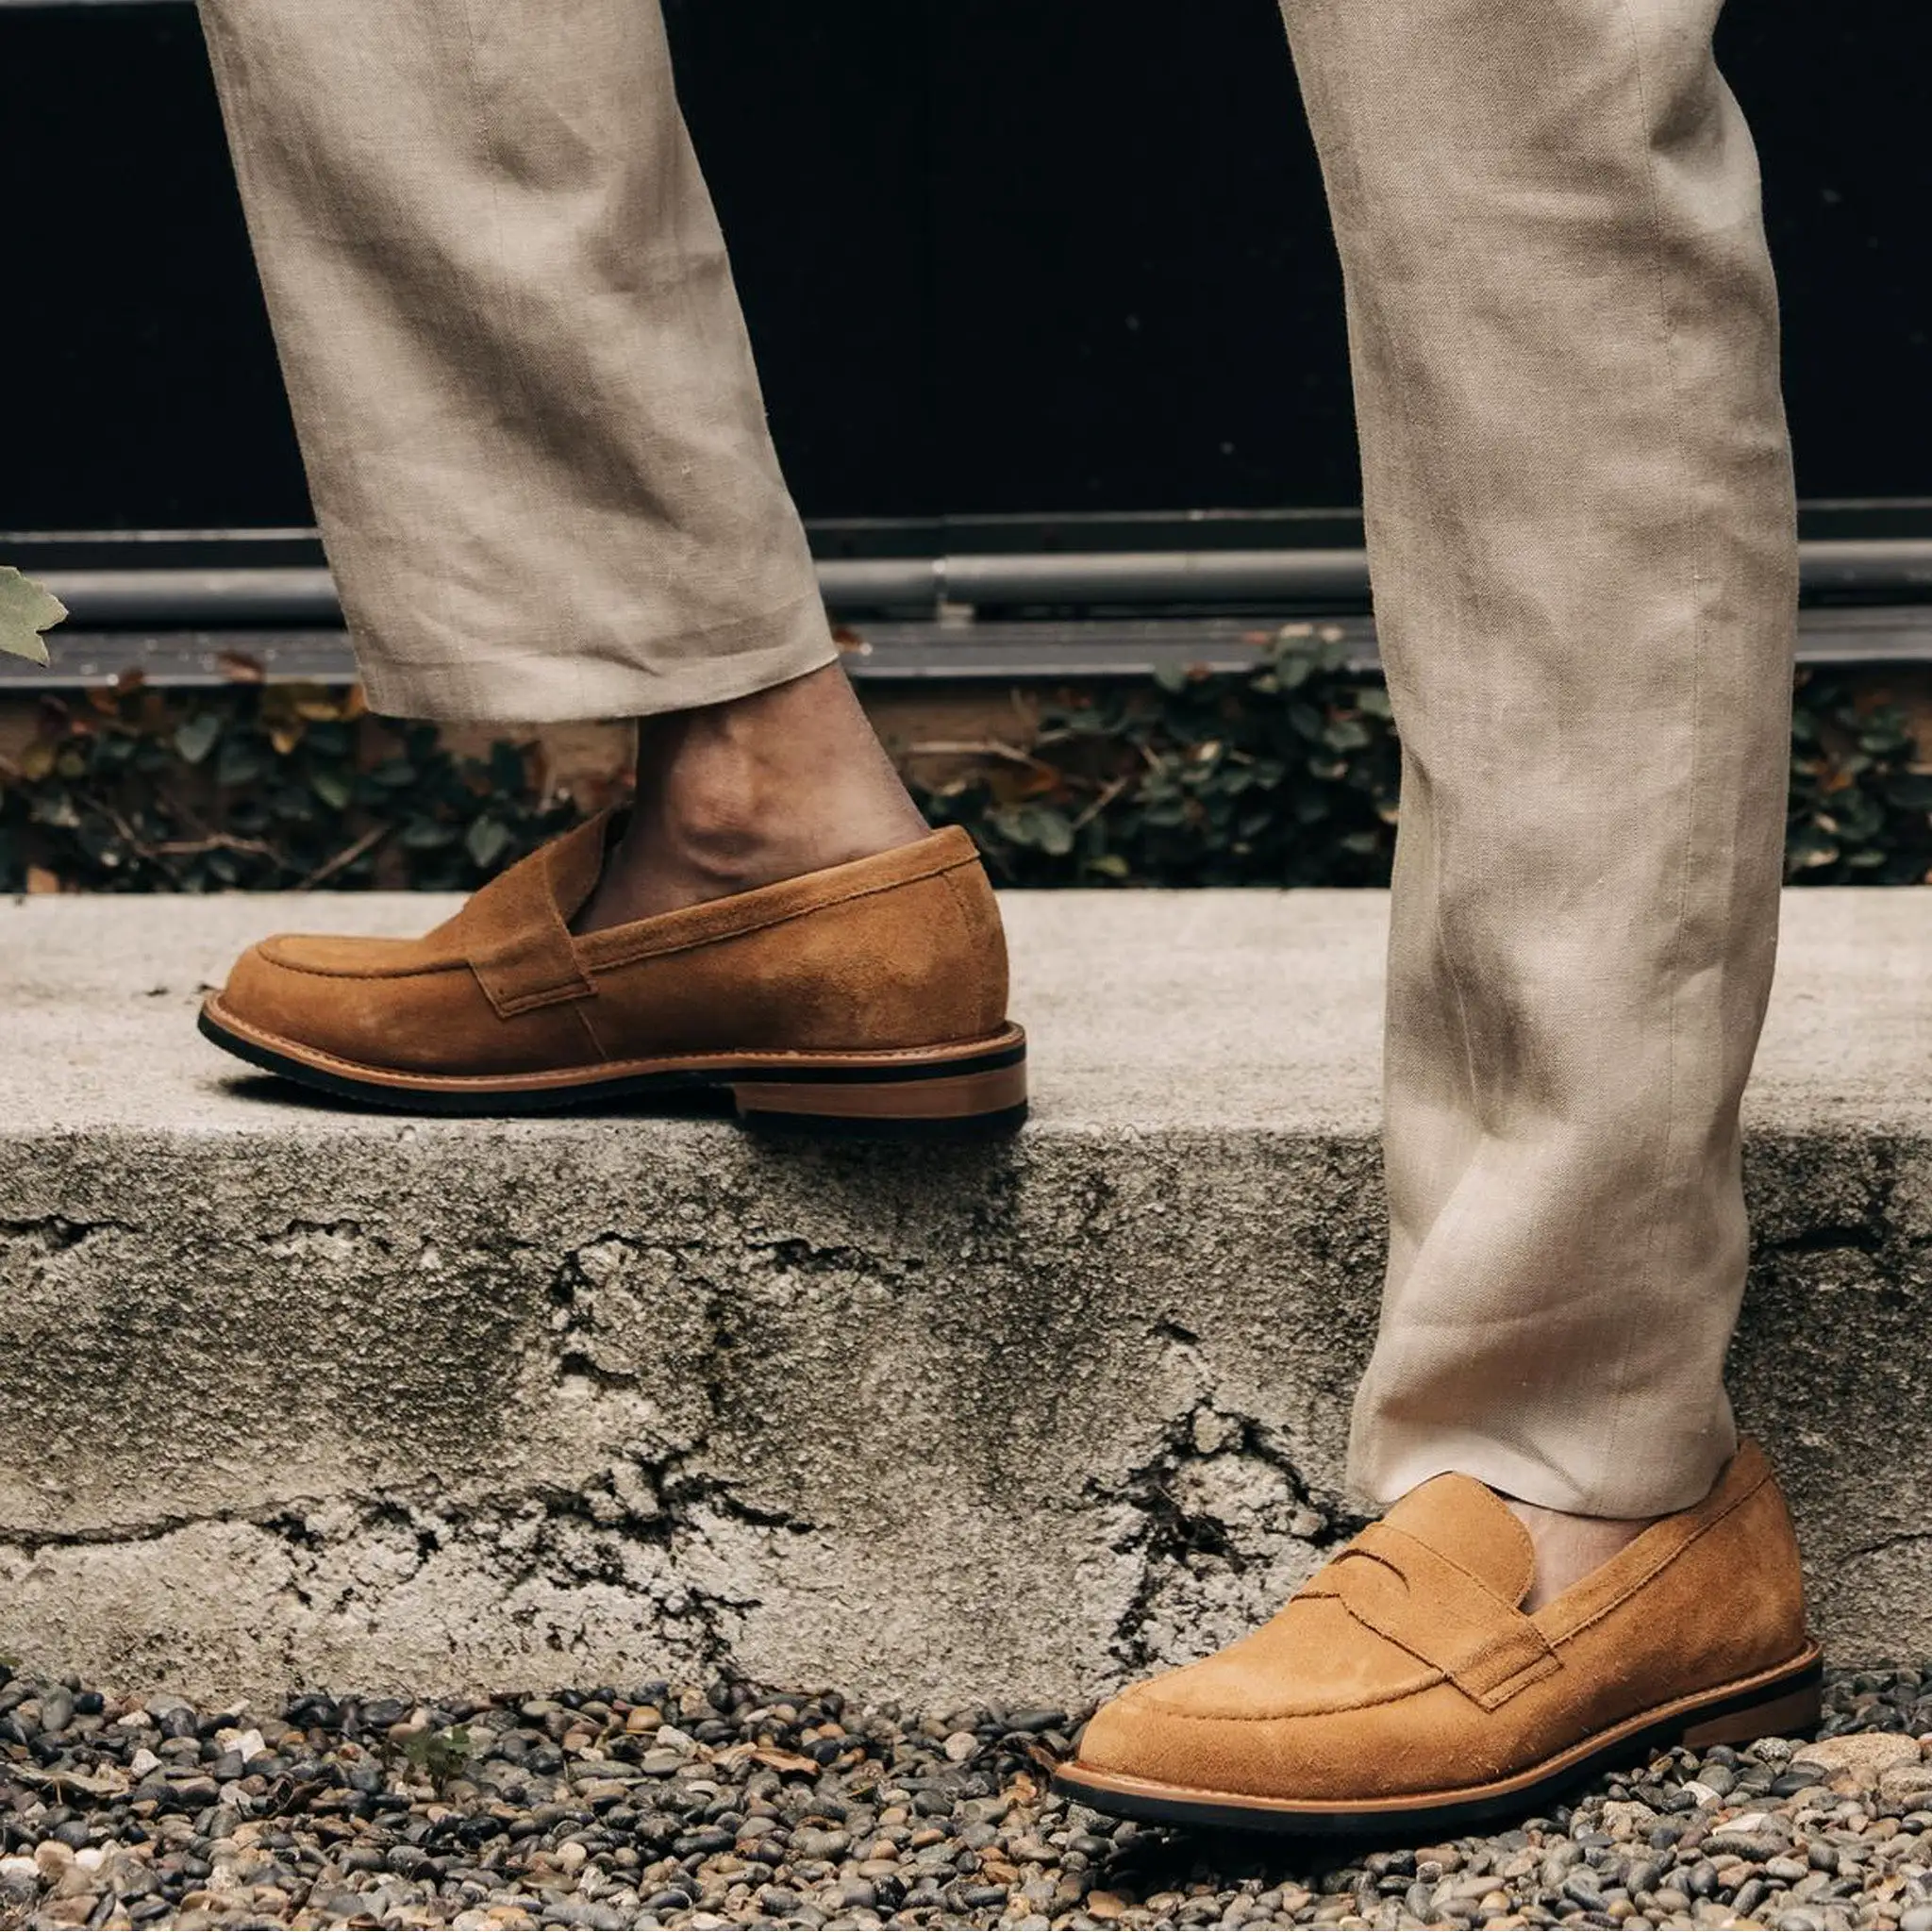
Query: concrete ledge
x: 290, y: 1395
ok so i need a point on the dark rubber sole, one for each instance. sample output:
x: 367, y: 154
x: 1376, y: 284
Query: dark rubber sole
x: 1782, y: 1703
x: 969, y: 1097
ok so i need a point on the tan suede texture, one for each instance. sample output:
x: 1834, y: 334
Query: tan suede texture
x: 902, y: 949
x: 1406, y: 1668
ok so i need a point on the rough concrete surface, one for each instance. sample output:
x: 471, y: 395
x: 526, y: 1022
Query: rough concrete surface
x: 292, y: 1394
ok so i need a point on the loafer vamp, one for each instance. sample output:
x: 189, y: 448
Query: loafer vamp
x: 392, y: 1004
x: 1311, y: 1658
x: 1312, y: 1703
x: 1420, y: 1742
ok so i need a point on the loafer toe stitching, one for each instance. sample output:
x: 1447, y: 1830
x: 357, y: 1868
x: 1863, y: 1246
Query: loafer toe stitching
x: 274, y: 952
x: 1426, y: 1680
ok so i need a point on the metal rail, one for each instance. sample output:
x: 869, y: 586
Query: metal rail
x: 886, y: 651
x: 1898, y: 569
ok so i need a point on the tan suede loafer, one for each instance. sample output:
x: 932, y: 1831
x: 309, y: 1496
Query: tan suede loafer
x: 872, y: 993
x: 1404, y: 1689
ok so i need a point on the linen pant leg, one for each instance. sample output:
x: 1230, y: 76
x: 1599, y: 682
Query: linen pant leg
x: 1581, y: 535
x: 531, y: 422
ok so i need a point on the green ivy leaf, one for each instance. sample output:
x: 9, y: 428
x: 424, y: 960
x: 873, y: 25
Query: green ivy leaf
x: 238, y: 765
x: 486, y: 841
x: 196, y: 738
x: 27, y: 609
x: 332, y: 787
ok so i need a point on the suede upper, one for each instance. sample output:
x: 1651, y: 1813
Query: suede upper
x: 1407, y: 1665
x: 902, y: 949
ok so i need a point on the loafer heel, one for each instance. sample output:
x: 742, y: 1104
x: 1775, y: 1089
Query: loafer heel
x: 1776, y: 1714
x: 979, y: 1093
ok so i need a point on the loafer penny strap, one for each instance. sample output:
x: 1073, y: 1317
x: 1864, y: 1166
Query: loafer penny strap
x: 517, y: 943
x: 1435, y: 1610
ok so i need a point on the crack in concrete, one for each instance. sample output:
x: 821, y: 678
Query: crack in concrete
x: 1169, y: 1536
x: 807, y: 1256
x: 1833, y: 1239
x: 658, y: 1498
x: 1884, y: 1544
x: 1874, y: 1229
x: 677, y: 1488
x: 299, y: 1230
x: 519, y: 1539
x: 54, y: 1234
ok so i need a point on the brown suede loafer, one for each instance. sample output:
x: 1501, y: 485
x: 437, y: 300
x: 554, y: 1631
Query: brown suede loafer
x: 1405, y: 1690
x: 868, y: 995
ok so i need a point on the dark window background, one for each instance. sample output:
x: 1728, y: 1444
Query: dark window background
x: 998, y: 256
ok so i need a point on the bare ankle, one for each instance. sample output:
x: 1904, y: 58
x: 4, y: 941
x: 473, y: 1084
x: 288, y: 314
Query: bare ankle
x: 739, y: 796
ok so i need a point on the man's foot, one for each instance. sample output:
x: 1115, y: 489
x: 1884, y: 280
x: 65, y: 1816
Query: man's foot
x: 771, y: 787
x: 1406, y: 1690
x: 865, y: 993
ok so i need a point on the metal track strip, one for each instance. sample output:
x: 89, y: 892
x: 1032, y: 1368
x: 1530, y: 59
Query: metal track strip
x: 929, y: 652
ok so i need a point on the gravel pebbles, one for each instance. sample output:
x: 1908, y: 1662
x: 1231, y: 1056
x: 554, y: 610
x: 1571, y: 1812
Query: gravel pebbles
x: 736, y: 1805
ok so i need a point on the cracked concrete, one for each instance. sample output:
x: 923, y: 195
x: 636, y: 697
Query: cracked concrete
x: 292, y: 1394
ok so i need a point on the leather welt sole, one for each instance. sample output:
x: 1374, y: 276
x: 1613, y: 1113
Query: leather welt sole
x: 967, y: 1086
x: 1771, y: 1704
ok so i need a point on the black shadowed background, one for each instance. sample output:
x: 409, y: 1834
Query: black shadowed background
x: 1032, y: 259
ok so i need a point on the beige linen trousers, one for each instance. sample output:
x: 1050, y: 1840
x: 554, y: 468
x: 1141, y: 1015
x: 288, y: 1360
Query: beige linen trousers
x: 539, y: 454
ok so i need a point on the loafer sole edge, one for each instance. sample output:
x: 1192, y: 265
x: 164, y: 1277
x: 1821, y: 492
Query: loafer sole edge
x: 973, y: 1086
